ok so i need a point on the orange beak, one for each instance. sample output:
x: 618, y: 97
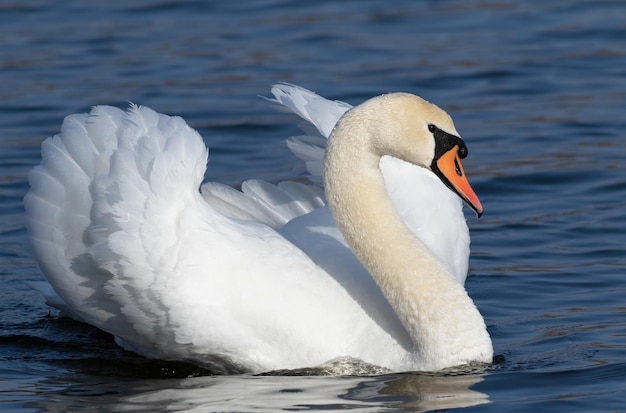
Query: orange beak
x: 449, y: 169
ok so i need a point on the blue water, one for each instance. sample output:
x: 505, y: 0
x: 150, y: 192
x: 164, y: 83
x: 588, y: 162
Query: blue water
x: 537, y: 90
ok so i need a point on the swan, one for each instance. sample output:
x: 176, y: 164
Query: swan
x: 366, y: 262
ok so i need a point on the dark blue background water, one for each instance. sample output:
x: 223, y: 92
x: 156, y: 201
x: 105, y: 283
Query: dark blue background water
x: 536, y: 88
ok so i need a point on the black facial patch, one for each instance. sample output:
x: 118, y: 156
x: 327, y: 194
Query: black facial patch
x: 445, y: 141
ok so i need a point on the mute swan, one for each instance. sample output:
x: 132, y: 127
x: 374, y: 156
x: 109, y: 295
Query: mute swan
x: 263, y: 279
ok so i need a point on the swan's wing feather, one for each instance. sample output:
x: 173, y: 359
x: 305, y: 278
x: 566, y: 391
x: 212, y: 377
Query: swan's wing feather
x: 234, y: 204
x: 137, y: 217
x: 309, y: 197
x: 311, y: 150
x: 272, y: 205
x: 58, y: 208
x: 284, y: 203
x: 321, y: 112
x: 308, y: 148
x: 97, y: 228
x: 275, y: 205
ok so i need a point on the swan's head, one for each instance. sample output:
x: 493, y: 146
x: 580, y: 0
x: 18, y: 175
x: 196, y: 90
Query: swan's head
x: 407, y: 127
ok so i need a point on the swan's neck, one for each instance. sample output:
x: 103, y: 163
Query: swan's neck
x: 441, y: 319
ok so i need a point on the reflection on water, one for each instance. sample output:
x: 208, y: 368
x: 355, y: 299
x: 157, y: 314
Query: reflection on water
x: 414, y: 392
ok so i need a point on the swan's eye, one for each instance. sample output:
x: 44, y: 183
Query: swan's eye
x: 432, y: 128
x: 463, y: 152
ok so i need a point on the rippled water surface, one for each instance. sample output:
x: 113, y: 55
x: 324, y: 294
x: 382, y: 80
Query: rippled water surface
x: 537, y: 89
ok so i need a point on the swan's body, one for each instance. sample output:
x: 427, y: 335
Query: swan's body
x: 264, y: 279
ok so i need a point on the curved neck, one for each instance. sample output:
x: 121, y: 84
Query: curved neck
x: 441, y: 319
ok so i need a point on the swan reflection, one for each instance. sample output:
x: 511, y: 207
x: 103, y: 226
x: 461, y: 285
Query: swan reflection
x: 409, y: 391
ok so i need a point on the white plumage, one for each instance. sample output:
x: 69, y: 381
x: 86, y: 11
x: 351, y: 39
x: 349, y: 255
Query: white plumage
x: 234, y: 281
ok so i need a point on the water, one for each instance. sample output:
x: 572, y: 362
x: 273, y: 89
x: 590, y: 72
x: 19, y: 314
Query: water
x: 537, y: 89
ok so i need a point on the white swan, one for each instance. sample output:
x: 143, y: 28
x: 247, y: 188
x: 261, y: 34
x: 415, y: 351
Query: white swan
x: 264, y: 280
